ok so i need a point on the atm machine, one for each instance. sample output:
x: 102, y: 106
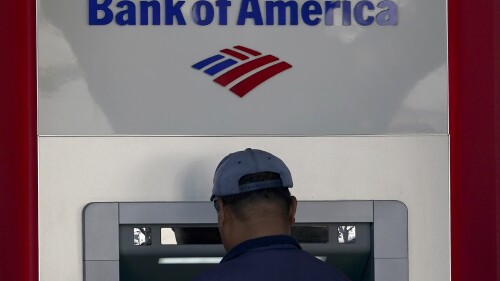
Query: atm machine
x: 153, y: 241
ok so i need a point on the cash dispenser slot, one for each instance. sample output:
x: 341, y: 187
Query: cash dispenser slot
x: 367, y: 240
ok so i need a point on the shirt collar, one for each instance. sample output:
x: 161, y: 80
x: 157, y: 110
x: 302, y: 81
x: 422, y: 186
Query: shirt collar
x: 267, y: 241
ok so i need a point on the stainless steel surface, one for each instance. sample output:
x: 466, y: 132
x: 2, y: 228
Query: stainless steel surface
x: 391, y: 240
x: 174, y: 213
x: 102, y: 270
x: 392, y: 270
x: 101, y: 223
x: 77, y: 170
x: 344, y: 211
x: 200, y: 212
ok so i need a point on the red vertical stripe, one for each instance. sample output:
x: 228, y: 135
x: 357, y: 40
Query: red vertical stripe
x: 18, y: 155
x: 474, y: 136
x: 496, y: 123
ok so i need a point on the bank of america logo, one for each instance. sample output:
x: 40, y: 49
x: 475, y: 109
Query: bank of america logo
x: 241, y: 68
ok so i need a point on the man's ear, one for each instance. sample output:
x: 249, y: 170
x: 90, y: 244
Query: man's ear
x: 293, y: 209
x: 221, y: 212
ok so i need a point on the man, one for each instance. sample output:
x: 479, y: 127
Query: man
x: 255, y: 212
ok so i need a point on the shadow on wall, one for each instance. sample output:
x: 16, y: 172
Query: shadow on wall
x: 175, y: 177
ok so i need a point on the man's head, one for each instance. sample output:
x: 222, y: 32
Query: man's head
x: 251, y: 196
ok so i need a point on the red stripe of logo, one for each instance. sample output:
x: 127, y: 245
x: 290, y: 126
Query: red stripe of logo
x: 232, y: 64
x: 243, y: 69
x: 256, y: 79
x: 234, y: 54
x: 247, y: 50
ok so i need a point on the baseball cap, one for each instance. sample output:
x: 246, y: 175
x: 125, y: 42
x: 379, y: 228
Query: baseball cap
x: 249, y: 161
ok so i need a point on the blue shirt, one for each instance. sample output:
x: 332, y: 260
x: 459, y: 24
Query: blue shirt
x: 271, y: 258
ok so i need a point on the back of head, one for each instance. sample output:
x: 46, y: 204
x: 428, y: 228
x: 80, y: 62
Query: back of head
x: 266, y: 203
x: 254, y: 185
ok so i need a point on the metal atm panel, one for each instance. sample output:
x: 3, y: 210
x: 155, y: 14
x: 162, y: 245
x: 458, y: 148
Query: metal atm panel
x: 124, y: 241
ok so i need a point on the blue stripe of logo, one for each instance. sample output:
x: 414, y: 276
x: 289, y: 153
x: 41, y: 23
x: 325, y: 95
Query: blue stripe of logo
x: 220, y: 66
x: 208, y: 61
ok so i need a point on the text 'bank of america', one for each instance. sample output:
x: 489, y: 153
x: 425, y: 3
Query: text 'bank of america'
x: 249, y: 12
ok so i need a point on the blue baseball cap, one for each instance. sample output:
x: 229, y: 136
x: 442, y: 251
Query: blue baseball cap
x: 249, y: 161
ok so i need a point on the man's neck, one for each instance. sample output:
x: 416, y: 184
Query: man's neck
x: 247, y: 231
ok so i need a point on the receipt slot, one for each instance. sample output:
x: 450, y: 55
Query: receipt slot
x: 153, y: 241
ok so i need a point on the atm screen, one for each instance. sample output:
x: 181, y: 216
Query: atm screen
x: 176, y: 252
x: 177, y: 241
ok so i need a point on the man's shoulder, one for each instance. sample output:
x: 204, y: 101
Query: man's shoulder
x: 220, y: 272
x: 274, y: 265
